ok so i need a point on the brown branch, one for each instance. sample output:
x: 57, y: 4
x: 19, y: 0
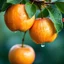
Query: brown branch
x: 42, y: 2
x: 49, y: 3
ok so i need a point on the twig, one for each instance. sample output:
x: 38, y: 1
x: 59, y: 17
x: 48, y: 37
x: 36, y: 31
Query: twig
x: 23, y: 39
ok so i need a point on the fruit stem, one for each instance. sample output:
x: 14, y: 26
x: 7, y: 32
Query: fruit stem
x: 23, y: 39
x: 33, y: 2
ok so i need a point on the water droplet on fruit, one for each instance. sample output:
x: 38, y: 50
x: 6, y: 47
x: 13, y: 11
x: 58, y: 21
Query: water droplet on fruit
x: 42, y: 45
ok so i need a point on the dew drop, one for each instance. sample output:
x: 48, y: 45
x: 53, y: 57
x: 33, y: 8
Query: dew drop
x: 42, y: 45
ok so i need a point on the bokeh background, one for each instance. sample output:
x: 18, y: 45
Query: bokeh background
x: 52, y: 53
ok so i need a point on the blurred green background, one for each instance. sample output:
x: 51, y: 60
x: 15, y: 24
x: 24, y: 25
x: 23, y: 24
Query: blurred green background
x: 52, y: 53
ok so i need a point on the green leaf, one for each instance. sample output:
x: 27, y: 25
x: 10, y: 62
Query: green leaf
x: 51, y: 0
x: 56, y: 18
x: 27, y: 0
x: 43, y: 13
x: 9, y: 0
x: 60, y: 6
x: 17, y: 1
x: 60, y: 0
x: 2, y: 2
x: 30, y: 9
x: 14, y: 1
x: 37, y: 13
x: 5, y: 6
x: 23, y: 2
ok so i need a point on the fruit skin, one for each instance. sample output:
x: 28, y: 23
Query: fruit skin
x: 63, y: 19
x: 21, y: 55
x: 16, y: 18
x: 42, y: 31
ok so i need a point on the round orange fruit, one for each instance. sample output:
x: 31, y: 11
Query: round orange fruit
x: 16, y: 18
x: 21, y: 55
x: 43, y: 30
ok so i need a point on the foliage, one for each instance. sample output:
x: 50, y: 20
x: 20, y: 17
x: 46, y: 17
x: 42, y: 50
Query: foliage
x: 56, y: 17
x: 47, y: 11
x: 60, y: 5
x: 30, y: 9
x: 53, y: 11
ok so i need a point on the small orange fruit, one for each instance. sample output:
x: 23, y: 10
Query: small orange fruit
x: 16, y: 18
x: 43, y: 30
x: 63, y: 19
x: 21, y: 55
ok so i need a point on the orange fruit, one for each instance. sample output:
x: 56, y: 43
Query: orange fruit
x: 16, y: 18
x: 21, y: 55
x: 42, y: 31
x: 63, y: 19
